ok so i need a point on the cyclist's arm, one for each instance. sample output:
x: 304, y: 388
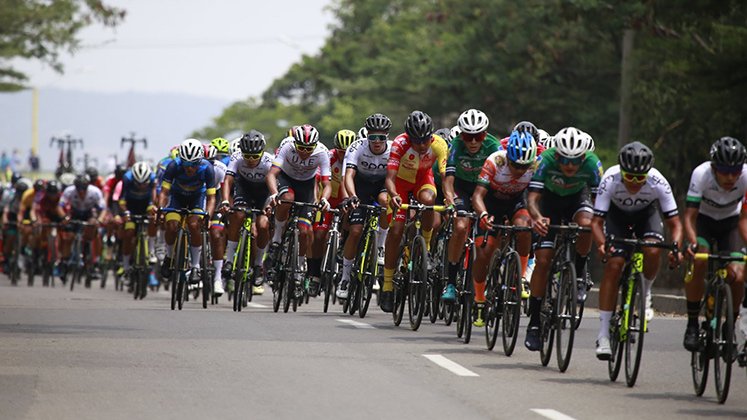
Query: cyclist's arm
x: 326, y: 189
x: 533, y: 199
x: 210, y: 204
x: 597, y: 232
x: 691, y: 215
x: 478, y: 199
x: 272, y: 180
x: 448, y: 189
x: 391, y: 175
x: 163, y: 200
x: 349, y: 181
x: 675, y: 227
x: 743, y: 223
x: 227, y: 189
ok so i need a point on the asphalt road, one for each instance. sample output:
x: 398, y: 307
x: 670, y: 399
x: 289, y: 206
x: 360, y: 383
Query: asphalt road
x: 94, y: 354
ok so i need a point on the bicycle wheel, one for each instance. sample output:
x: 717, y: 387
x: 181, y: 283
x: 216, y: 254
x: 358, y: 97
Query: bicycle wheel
x: 467, y: 301
x: 725, y: 342
x: 354, y: 292
x: 547, y: 318
x: 31, y: 268
x: 173, y: 280
x: 616, y: 345
x: 401, y: 277
x: 699, y: 360
x: 277, y: 290
x: 418, y: 277
x: 207, y: 287
x: 511, y: 299
x: 328, y: 268
x: 493, y: 302
x: 370, y: 274
x: 636, y: 331
x: 566, y: 315
x: 437, y: 274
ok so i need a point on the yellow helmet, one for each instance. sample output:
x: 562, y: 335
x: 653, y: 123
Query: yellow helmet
x: 344, y: 138
x: 221, y: 145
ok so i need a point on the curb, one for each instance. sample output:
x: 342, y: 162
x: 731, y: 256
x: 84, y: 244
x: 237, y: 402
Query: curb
x: 662, y: 302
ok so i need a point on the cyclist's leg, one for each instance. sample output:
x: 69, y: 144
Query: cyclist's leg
x: 731, y: 241
x: 217, y: 248
x: 582, y: 215
x: 393, y: 239
x: 128, y: 242
x: 456, y: 243
x: 695, y: 285
x: 426, y: 194
x: 285, y: 192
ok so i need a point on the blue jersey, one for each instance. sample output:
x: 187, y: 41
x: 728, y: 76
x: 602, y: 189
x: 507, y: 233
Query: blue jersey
x: 226, y: 159
x: 160, y: 170
x: 176, y: 179
x: 132, y: 191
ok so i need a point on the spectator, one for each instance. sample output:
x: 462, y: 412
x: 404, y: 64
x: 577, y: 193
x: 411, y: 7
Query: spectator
x: 4, y: 166
x: 33, y: 161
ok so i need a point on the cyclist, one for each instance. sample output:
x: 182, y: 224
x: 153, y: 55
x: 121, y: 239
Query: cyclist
x: 444, y: 133
x: 466, y: 157
x: 45, y: 211
x: 96, y: 180
x: 163, y: 164
x: 343, y: 139
x: 81, y: 201
x: 365, y: 170
x: 223, y: 149
x: 409, y: 171
x: 217, y: 235
x: 626, y: 205
x: 559, y: 191
x: 499, y: 195
x: 138, y: 197
x: 188, y: 183
x: 246, y: 186
x: 292, y: 177
x: 11, y: 212
x: 26, y: 217
x: 712, y: 220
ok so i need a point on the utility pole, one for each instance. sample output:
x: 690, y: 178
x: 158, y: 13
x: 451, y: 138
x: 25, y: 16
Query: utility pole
x: 626, y: 80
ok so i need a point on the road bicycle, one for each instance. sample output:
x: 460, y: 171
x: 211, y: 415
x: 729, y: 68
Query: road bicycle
x: 286, y: 273
x: 365, y: 270
x: 140, y: 271
x: 180, y: 256
x: 241, y: 266
x: 331, y: 261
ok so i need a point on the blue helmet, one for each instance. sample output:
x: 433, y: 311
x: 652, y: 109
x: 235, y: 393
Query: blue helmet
x: 521, y: 148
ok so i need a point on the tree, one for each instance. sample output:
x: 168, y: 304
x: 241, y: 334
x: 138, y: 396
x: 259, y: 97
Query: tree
x: 41, y: 30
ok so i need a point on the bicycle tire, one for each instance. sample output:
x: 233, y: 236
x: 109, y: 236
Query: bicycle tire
x: 723, y: 336
x: 182, y: 291
x: 566, y: 315
x: 400, y: 290
x: 493, y: 303
x: 418, y: 278
x: 174, y: 281
x: 290, y: 265
x: 353, y: 293
x: 468, y: 300
x: 547, y: 319
x: 31, y: 267
x: 277, y: 291
x: 46, y: 275
x: 328, y: 268
x: 616, y: 345
x: 699, y: 360
x: 636, y: 331
x: 511, y: 302
x: 370, y: 275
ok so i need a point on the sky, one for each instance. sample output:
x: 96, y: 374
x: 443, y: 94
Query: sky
x: 193, y: 57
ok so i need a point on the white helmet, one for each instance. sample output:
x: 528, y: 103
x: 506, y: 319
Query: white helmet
x: 589, y: 141
x: 473, y: 121
x: 211, y: 152
x: 570, y: 142
x: 141, y: 172
x: 362, y: 133
x: 545, y: 139
x: 455, y: 132
x: 236, y: 145
x: 191, y: 150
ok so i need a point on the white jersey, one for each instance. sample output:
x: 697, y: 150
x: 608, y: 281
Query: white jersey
x: 92, y: 199
x: 219, y: 169
x: 238, y: 167
x: 299, y: 169
x: 612, y: 190
x: 712, y: 200
x: 496, y: 177
x: 360, y: 157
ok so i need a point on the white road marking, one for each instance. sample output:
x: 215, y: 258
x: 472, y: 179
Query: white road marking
x: 356, y: 324
x: 551, y: 414
x: 449, y: 365
x: 256, y: 305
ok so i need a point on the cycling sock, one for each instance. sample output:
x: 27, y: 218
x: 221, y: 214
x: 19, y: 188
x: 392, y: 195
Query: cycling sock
x: 388, y: 280
x: 604, y: 324
x: 534, y: 311
x: 195, y: 253
x: 347, y: 265
x: 427, y: 234
x: 453, y: 270
x: 169, y: 250
x: 230, y: 250
x: 523, y: 260
x: 126, y: 262
x: 580, y: 264
x: 693, y: 308
x: 315, y: 267
x: 218, y: 264
x: 479, y: 292
x: 647, y: 283
x: 259, y: 255
x: 279, y: 228
x: 381, y: 237
x: 151, y: 244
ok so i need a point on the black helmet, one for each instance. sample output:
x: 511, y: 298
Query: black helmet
x: 53, y: 187
x: 728, y: 151
x: 20, y: 186
x: 119, y: 171
x: 378, y: 122
x: 527, y: 127
x: 635, y: 158
x: 38, y: 185
x: 81, y: 181
x: 252, y: 142
x: 14, y: 177
x: 419, y: 125
x: 92, y: 172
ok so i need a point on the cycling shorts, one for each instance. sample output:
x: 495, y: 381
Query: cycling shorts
x: 463, y: 190
x: 181, y: 201
x: 368, y: 193
x: 562, y: 209
x: 723, y: 234
x: 505, y: 209
x: 404, y: 189
x: 250, y: 194
x: 645, y: 224
x: 303, y: 191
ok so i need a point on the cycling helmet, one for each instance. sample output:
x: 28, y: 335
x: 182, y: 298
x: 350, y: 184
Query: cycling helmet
x: 635, y: 158
x: 728, y: 151
x: 14, y: 177
x: 119, y: 171
x: 235, y: 145
x: 528, y: 127
x: 545, y: 139
x: 141, y: 172
x: 378, y: 122
x: 589, y: 141
x: 473, y: 121
x: 362, y: 133
x: 291, y: 131
x: 306, y: 135
x: 570, y: 143
x: 444, y: 133
x: 220, y: 144
x: 191, y: 150
x: 81, y: 181
x: 210, y: 152
x: 521, y: 148
x: 174, y: 152
x: 38, y: 185
x: 67, y: 179
x: 419, y: 125
x: 344, y: 138
x: 252, y: 142
x: 455, y: 132
x: 21, y: 186
x: 53, y: 187
x: 93, y: 173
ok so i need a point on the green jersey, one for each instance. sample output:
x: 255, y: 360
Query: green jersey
x: 548, y: 175
x: 466, y: 166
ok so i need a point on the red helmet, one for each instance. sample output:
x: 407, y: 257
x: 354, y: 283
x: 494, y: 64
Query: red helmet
x: 306, y: 135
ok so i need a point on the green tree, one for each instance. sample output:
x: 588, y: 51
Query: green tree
x: 41, y: 30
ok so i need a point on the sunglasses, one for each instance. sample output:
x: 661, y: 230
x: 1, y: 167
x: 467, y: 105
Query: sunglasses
x: 473, y: 138
x: 570, y: 161
x: 251, y: 156
x: 378, y: 137
x: 634, y: 178
x: 305, y: 148
x: 728, y: 170
x: 420, y: 141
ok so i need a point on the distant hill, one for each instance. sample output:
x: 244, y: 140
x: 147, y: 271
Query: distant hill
x: 101, y: 120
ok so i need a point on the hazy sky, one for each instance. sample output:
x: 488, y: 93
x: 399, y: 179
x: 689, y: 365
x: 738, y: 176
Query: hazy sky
x: 227, y: 49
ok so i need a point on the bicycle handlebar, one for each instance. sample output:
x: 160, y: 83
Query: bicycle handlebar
x: 422, y: 207
x: 573, y: 227
x: 639, y: 243
x: 704, y: 256
x: 183, y: 212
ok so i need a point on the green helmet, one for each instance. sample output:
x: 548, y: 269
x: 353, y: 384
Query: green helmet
x: 221, y: 145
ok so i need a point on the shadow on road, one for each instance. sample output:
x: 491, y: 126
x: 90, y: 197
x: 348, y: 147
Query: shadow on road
x: 58, y: 329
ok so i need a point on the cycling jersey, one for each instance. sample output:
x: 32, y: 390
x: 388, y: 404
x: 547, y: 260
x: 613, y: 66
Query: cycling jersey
x: 496, y: 177
x: 372, y: 167
x: 160, y: 170
x: 133, y: 191
x: 47, y: 207
x: 226, y: 159
x: 239, y: 168
x: 410, y: 165
x: 108, y: 190
x: 612, y: 191
x: 294, y: 167
x: 466, y: 166
x: 712, y: 200
x: 93, y: 199
x: 220, y: 170
x: 202, y: 182
x: 549, y: 177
